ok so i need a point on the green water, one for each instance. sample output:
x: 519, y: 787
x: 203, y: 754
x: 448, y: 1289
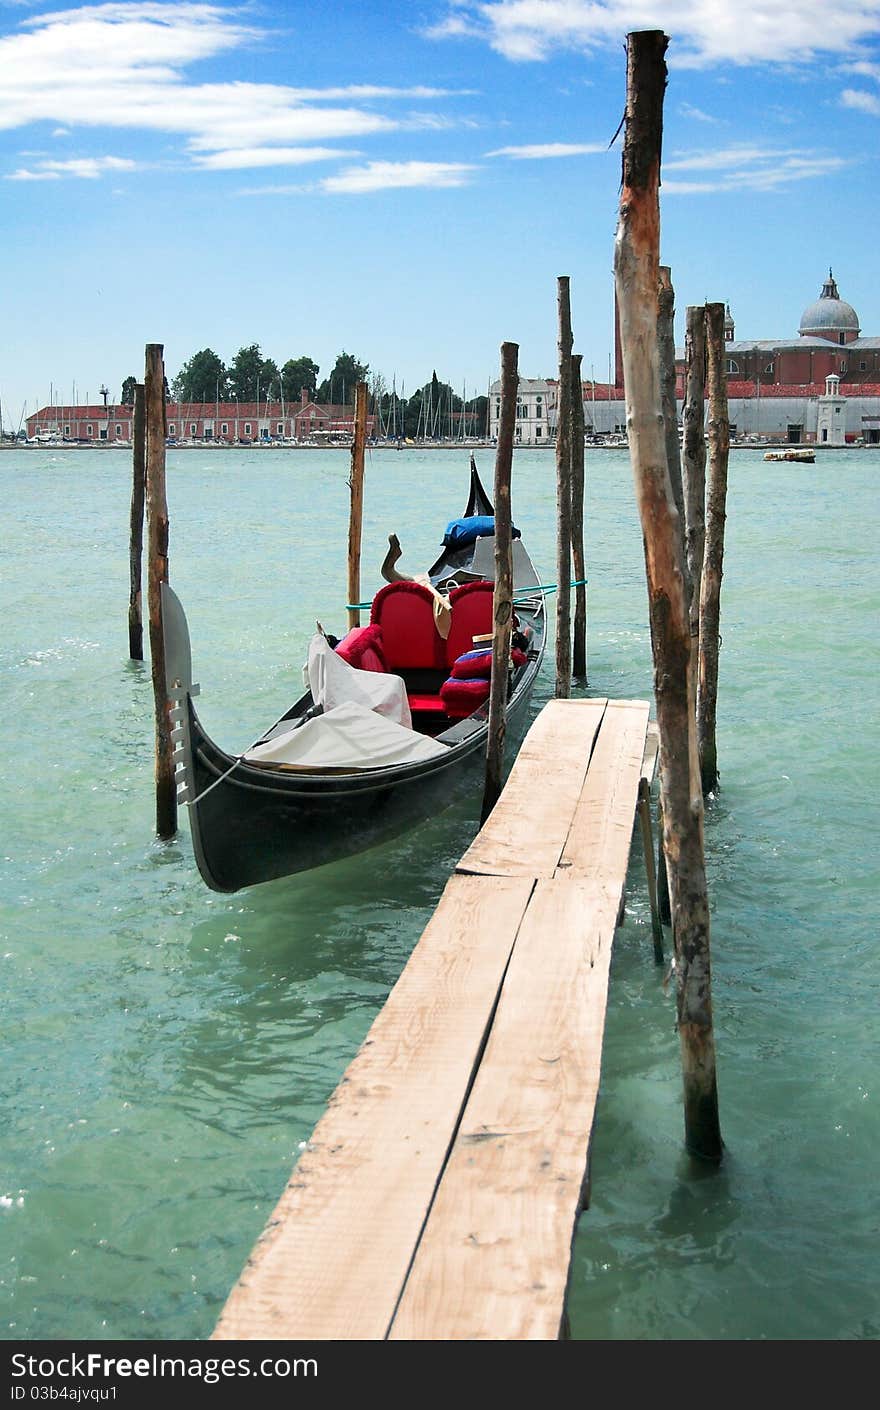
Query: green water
x: 166, y: 1050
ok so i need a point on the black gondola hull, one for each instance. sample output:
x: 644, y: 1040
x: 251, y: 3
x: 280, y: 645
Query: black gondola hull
x: 256, y: 825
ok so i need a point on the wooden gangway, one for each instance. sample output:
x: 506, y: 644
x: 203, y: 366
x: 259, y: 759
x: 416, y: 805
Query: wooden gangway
x: 438, y: 1196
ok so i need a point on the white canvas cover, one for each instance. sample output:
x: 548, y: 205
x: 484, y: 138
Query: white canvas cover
x: 333, y: 681
x: 350, y: 736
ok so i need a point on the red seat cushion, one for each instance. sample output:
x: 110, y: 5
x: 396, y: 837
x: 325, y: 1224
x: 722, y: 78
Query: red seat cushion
x: 472, y: 616
x: 478, y: 663
x: 362, y: 648
x: 410, y: 640
x: 460, y: 698
x: 426, y: 704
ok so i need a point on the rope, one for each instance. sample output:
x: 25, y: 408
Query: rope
x: 236, y: 761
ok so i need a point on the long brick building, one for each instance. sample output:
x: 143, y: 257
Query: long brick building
x: 199, y: 423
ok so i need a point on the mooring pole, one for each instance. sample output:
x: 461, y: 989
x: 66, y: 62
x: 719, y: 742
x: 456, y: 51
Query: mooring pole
x: 578, y: 558
x: 563, y: 492
x: 503, y: 596
x: 693, y: 459
x: 356, y: 513
x: 666, y: 350
x: 713, y: 558
x: 157, y: 573
x: 136, y: 534
x: 636, y: 264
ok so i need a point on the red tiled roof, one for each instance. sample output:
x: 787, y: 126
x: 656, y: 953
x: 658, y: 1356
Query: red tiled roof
x: 746, y: 390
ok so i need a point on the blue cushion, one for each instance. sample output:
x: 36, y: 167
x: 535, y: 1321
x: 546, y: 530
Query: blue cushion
x: 462, y: 532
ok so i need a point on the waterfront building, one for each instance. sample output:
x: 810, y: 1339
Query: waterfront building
x: 822, y: 386
x: 777, y: 388
x: 203, y: 423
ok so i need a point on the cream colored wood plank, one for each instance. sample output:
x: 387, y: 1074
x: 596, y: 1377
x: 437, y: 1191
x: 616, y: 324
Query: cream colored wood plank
x: 652, y: 749
x: 599, y: 840
x: 333, y: 1257
x: 526, y: 831
x: 493, y: 1261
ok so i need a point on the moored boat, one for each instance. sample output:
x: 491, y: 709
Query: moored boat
x: 798, y: 457
x: 393, y: 726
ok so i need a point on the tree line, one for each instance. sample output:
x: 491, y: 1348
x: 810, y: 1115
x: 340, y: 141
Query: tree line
x: 432, y: 412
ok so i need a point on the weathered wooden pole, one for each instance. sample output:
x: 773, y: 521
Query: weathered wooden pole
x: 713, y: 557
x: 563, y: 492
x: 136, y: 535
x: 356, y: 512
x: 644, y: 812
x: 693, y: 485
x: 693, y: 460
x: 636, y: 265
x: 503, y: 596
x: 578, y: 559
x: 157, y: 574
x: 666, y: 350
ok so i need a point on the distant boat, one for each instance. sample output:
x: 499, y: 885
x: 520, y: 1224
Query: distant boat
x: 799, y: 457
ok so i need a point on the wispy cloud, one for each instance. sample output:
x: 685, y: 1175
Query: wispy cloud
x: 124, y: 66
x: 687, y: 110
x: 239, y: 158
x: 706, y: 32
x: 747, y: 168
x: 538, y: 150
x: 864, y: 67
x: 83, y: 168
x: 860, y: 100
x: 382, y: 176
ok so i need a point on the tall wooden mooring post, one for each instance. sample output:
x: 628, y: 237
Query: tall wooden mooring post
x: 637, y: 274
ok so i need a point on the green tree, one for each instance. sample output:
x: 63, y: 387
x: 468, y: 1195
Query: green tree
x: 203, y: 378
x: 478, y: 416
x: 339, y: 387
x: 253, y: 377
x: 128, y: 386
x: 299, y: 372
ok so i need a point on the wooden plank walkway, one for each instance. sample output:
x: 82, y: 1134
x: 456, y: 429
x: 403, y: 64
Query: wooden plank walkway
x: 439, y: 1194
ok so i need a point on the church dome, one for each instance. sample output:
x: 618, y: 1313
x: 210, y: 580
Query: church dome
x: 830, y: 315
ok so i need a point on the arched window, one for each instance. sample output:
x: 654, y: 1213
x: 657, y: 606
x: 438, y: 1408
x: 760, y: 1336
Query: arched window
x: 732, y: 366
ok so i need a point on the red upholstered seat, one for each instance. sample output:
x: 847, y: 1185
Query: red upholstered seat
x: 471, y: 616
x: 460, y: 698
x: 362, y: 648
x: 421, y: 704
x: 410, y: 640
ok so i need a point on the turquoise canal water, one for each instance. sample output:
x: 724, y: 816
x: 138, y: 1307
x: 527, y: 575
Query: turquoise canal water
x: 166, y: 1050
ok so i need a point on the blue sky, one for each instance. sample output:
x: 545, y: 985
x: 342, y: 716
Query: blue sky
x: 406, y: 180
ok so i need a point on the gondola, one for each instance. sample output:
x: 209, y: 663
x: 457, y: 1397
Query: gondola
x: 296, y: 799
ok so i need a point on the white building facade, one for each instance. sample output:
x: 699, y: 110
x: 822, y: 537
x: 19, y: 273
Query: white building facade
x: 535, y: 411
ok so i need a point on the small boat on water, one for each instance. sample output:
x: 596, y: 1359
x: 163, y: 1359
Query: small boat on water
x: 798, y: 457
x: 393, y: 725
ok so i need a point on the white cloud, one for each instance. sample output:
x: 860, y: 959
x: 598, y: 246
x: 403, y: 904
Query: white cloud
x: 864, y: 68
x: 860, y: 100
x: 705, y: 32
x: 538, y: 150
x: 687, y: 110
x: 123, y: 65
x: 24, y: 174
x: 84, y: 168
x: 742, y: 168
x: 382, y: 176
x: 239, y: 158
